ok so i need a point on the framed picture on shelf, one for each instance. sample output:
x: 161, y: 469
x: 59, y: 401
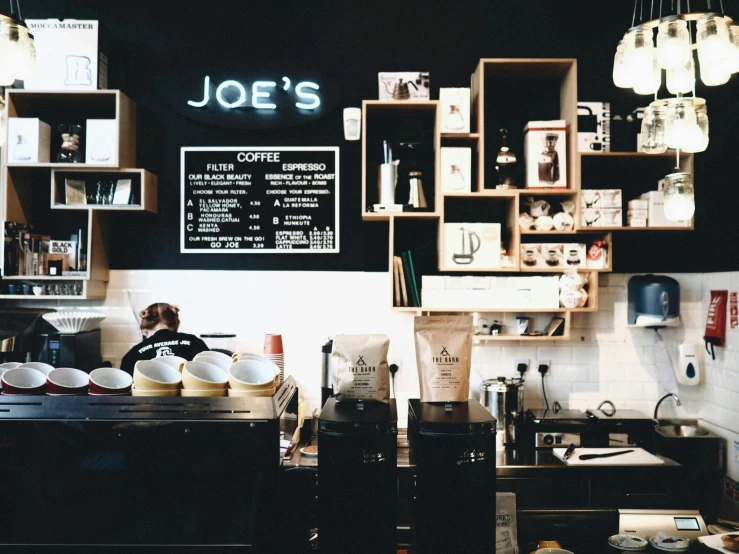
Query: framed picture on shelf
x: 74, y: 190
x: 122, y: 193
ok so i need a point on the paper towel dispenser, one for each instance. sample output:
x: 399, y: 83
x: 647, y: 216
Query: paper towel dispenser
x: 654, y: 301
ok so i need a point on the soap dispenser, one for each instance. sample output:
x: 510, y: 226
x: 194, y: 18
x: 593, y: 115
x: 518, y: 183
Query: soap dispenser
x: 689, y: 365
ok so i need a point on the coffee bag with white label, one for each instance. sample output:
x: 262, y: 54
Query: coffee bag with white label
x: 360, y: 368
x: 443, y: 356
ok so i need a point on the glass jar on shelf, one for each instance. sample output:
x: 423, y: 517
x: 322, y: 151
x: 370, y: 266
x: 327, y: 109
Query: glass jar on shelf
x: 652, y: 137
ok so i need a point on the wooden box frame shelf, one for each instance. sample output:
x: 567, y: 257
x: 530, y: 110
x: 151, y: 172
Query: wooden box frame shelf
x: 141, y: 178
x: 21, y: 197
x: 565, y: 70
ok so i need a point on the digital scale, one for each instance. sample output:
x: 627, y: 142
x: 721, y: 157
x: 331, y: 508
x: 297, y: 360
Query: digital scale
x: 685, y: 524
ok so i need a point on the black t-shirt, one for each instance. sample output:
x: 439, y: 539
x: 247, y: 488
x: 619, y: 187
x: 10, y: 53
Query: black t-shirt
x: 163, y: 343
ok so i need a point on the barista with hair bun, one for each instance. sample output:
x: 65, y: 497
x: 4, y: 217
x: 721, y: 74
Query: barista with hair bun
x: 160, y: 325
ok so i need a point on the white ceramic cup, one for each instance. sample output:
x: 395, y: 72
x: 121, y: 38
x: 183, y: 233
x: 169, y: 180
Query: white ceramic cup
x: 214, y: 358
x: 109, y: 380
x: 553, y: 551
x: 10, y: 365
x: 252, y: 375
x: 39, y: 366
x: 152, y: 375
x: 172, y: 361
x: 201, y: 375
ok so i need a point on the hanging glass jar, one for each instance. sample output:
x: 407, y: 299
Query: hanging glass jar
x: 714, y: 48
x: 679, y: 196
x: 652, y: 137
x: 701, y: 114
x: 734, y: 55
x: 641, y: 60
x: 621, y: 74
x: 682, y: 131
x: 673, y: 42
x: 681, y: 80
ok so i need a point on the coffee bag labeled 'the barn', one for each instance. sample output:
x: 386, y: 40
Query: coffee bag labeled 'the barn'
x: 443, y: 356
x: 360, y: 368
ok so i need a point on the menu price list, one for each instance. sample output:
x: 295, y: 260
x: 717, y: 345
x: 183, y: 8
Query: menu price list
x: 260, y: 200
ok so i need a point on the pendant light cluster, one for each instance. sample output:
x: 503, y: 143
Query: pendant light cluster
x: 679, y: 123
x: 17, y: 48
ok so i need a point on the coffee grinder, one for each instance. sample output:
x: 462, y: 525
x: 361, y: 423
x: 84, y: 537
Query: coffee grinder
x: 452, y: 447
x: 358, y: 477
x: 409, y: 190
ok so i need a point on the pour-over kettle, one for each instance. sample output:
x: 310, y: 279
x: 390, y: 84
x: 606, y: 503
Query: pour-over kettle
x: 401, y: 90
x: 467, y: 244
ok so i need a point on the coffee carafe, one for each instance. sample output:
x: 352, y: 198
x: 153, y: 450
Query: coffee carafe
x: 467, y: 244
x: 409, y: 190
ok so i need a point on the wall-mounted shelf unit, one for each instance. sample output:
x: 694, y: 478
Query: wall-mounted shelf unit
x: 34, y: 194
x: 505, y: 93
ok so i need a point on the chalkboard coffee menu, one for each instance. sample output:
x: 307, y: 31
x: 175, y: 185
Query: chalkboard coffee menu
x: 260, y: 200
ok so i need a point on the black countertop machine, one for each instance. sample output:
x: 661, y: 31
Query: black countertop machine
x: 136, y: 474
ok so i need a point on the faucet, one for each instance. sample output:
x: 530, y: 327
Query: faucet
x: 674, y: 396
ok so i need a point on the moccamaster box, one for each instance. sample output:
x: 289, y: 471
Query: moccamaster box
x: 70, y: 54
x: 545, y: 150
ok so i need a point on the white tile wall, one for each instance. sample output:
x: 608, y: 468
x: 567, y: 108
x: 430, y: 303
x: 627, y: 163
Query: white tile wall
x: 604, y: 360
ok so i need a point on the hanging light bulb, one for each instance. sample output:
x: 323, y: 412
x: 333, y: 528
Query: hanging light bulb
x: 681, y: 80
x: 734, y: 55
x: 673, y: 42
x: 714, y: 49
x: 679, y: 196
x: 621, y: 73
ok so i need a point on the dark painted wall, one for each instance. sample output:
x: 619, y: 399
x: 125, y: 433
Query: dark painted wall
x: 351, y: 41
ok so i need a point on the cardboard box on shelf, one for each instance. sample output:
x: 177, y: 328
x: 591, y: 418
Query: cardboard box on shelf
x: 29, y: 140
x: 473, y: 245
x: 656, y: 210
x: 611, y: 217
x: 101, y: 141
x: 70, y: 54
x: 637, y: 214
x: 593, y: 126
x: 455, y: 110
x: 601, y: 198
x: 545, y: 151
x: 404, y: 85
x: 456, y: 169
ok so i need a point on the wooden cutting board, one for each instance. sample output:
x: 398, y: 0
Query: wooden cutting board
x: 639, y: 457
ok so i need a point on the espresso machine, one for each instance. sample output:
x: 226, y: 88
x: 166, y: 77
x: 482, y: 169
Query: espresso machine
x: 358, y: 477
x: 18, y: 328
x: 452, y: 447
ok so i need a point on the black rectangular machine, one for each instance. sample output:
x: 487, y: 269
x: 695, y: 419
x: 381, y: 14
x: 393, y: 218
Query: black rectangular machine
x: 133, y: 474
x: 78, y: 350
x: 453, y: 449
x: 357, y: 477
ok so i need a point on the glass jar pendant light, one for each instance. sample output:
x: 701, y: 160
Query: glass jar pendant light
x: 621, y: 74
x: 714, y: 49
x: 679, y: 196
x: 17, y: 48
x: 673, y: 42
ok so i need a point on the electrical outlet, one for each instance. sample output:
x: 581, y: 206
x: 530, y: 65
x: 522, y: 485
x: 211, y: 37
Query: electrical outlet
x: 518, y: 363
x: 543, y: 366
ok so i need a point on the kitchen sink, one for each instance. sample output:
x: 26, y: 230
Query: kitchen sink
x: 682, y: 431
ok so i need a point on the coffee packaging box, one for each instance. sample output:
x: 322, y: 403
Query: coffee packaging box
x: 471, y: 245
x: 545, y: 151
x: 404, y: 85
x: 455, y: 110
x: 29, y: 141
x: 456, y: 169
x: 70, y: 54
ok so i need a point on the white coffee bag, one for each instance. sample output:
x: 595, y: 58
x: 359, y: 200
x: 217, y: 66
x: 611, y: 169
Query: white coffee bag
x: 443, y: 357
x: 360, y: 368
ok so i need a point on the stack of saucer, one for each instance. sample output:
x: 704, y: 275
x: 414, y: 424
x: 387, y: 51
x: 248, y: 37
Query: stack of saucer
x: 274, y: 353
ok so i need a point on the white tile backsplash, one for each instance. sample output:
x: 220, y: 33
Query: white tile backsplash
x: 604, y: 360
